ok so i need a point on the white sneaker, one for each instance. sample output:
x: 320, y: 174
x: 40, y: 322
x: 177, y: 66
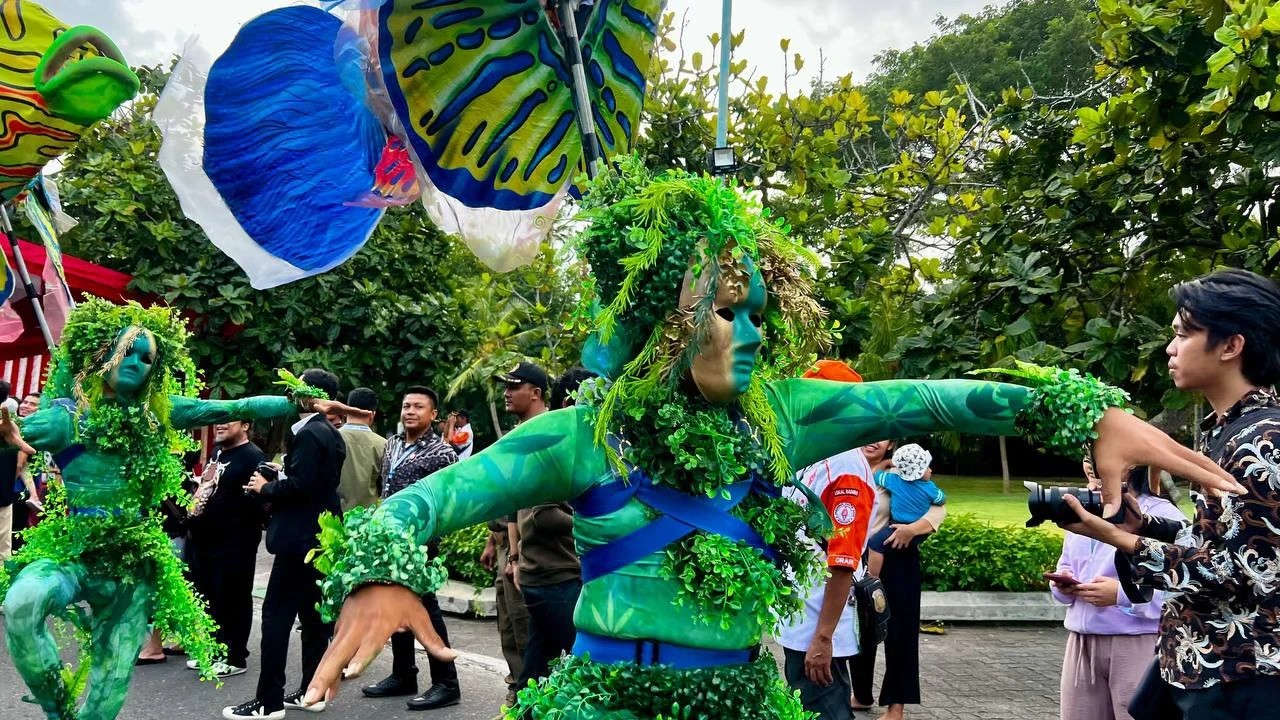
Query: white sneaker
x: 223, y: 670
x: 193, y: 665
x: 293, y: 701
x: 251, y: 710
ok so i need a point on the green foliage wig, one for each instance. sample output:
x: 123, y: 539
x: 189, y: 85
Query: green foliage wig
x: 90, y: 350
x: 646, y: 231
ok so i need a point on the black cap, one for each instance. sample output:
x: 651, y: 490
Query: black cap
x: 525, y: 372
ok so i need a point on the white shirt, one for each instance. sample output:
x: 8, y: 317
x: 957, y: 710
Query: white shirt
x: 843, y: 482
x: 297, y: 427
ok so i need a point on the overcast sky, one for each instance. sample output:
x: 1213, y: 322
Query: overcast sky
x: 850, y: 32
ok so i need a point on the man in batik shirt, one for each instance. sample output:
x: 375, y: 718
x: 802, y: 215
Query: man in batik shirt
x: 409, y: 457
x: 1219, y: 649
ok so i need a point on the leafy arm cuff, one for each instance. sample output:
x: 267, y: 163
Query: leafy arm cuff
x: 364, y: 547
x: 193, y: 413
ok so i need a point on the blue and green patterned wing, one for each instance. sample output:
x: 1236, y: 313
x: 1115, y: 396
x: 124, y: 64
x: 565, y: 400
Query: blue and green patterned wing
x: 617, y: 46
x: 483, y: 92
x: 483, y: 95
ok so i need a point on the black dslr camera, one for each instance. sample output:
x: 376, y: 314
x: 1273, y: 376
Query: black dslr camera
x: 1045, y: 503
x: 269, y: 473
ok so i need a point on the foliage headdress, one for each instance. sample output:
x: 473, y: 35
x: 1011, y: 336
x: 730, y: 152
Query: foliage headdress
x: 645, y: 233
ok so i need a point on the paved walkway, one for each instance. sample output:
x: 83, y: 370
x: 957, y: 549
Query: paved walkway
x: 971, y: 673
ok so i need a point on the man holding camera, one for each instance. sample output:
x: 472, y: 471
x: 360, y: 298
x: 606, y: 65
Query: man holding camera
x: 1219, y: 647
x: 224, y: 530
x: 298, y: 493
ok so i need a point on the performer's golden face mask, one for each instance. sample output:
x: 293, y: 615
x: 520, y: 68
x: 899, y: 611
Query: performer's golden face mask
x: 731, y: 344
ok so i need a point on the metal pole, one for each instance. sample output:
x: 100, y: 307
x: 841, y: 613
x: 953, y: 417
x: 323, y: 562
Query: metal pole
x: 726, y: 40
x: 25, y: 277
x: 582, y: 103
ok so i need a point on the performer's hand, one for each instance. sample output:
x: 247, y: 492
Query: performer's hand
x: 325, y: 407
x: 368, y: 618
x: 1124, y: 442
x: 11, y: 435
x: 817, y: 661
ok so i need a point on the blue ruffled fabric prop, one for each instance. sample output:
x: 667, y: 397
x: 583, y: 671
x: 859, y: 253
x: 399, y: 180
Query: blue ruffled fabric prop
x: 287, y: 145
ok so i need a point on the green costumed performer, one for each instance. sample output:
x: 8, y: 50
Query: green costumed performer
x: 121, y: 390
x: 675, y: 464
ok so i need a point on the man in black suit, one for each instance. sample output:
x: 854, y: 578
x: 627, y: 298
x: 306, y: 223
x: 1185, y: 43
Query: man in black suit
x: 306, y: 487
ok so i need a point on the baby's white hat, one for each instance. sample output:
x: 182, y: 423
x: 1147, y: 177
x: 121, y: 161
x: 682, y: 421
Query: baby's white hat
x: 911, y: 461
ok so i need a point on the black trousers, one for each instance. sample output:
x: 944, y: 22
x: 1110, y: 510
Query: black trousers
x: 1255, y: 699
x: 224, y: 576
x: 901, y: 686
x: 830, y: 702
x: 402, y: 651
x: 551, y: 630
x: 292, y: 593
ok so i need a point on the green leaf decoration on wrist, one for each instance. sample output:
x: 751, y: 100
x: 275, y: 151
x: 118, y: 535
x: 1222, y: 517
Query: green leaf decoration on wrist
x: 362, y: 548
x: 298, y: 390
x: 1065, y: 405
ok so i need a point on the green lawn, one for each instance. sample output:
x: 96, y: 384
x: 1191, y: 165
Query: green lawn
x: 982, y: 498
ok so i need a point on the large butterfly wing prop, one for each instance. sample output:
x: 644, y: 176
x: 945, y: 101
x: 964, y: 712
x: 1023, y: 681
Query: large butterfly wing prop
x: 484, y: 95
x: 269, y: 152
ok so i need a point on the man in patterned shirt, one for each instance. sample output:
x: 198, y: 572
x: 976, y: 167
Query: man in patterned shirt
x: 1219, y: 649
x: 410, y: 456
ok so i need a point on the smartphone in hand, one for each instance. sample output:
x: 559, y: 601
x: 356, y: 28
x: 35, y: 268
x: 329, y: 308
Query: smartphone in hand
x: 1060, y: 579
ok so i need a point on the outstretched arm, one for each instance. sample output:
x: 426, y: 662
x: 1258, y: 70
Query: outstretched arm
x: 190, y: 413
x: 535, y: 463
x: 51, y: 430
x: 820, y: 418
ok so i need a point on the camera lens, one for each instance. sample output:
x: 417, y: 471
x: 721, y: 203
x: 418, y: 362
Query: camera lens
x: 1045, y: 503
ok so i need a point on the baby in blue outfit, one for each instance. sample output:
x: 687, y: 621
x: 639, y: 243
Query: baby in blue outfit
x: 911, y: 495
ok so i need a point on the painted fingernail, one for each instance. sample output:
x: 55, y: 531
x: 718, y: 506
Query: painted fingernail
x: 310, y: 697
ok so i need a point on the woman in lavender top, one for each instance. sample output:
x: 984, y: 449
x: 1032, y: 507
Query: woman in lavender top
x: 1111, y: 640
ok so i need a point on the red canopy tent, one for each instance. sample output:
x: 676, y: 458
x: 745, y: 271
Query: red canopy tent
x: 24, y: 361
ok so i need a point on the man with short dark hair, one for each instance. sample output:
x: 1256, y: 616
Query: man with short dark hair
x: 1219, y: 647
x: 362, y: 470
x: 410, y: 456
x: 223, y: 533
x: 305, y: 488
x: 565, y: 392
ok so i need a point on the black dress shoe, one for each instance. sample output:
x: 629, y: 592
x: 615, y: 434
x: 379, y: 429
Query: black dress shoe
x: 391, y: 686
x: 436, y: 696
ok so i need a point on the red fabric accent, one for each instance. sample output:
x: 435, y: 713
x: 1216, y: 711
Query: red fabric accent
x: 86, y: 279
